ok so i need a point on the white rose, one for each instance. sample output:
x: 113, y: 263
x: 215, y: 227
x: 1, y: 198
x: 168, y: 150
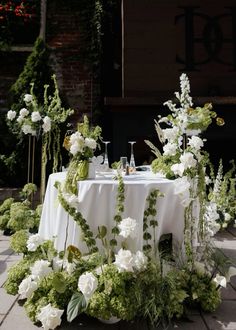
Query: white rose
x: 24, y: 112
x: 50, y: 317
x: 188, y: 160
x: 47, y: 123
x: 28, y: 98
x: 140, y: 261
x: 75, y: 136
x: 87, y: 284
x: 196, y: 142
x: 128, y: 227
x: 11, y: 114
x: 178, y: 169
x: 33, y: 242
x: 27, y: 287
x: 169, y: 149
x: 124, y: 261
x: 220, y: 280
x: 20, y: 119
x: 35, y: 116
x: 90, y: 143
x: 41, y: 268
x: 27, y: 129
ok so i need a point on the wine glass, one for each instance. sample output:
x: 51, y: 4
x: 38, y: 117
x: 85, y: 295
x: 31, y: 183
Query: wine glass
x: 132, y: 161
x: 106, y: 162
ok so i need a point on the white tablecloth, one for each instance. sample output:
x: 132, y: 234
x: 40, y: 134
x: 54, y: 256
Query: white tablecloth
x: 97, y: 201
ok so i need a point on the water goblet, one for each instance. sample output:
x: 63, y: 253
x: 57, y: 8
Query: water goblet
x: 106, y: 161
x: 132, y: 160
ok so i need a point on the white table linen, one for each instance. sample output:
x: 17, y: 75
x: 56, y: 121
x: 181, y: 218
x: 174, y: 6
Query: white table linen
x: 97, y: 203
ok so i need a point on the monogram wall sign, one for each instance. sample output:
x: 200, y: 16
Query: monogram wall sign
x: 215, y: 35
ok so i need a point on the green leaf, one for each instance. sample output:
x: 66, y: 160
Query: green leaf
x: 77, y: 304
x: 73, y: 252
x: 102, y: 231
x: 58, y: 283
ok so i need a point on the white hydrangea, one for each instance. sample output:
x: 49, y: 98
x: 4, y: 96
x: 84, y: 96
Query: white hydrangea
x: 20, y: 119
x: 140, y: 261
x: 128, y: 227
x: 124, y: 261
x: 27, y: 287
x: 35, y: 116
x: 27, y: 129
x: 41, y: 268
x: 90, y: 143
x: 11, y: 114
x: 50, y: 317
x: 170, y: 134
x: 33, y: 242
x: 169, y: 149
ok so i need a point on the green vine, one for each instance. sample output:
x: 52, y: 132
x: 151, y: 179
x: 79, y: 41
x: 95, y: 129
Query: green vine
x: 78, y: 218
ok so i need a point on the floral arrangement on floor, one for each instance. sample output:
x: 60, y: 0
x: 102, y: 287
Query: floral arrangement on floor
x: 81, y: 146
x: 18, y: 215
x: 112, y: 281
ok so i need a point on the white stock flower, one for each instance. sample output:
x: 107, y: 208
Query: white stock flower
x: 46, y: 124
x: 27, y: 129
x: 11, y: 114
x: 188, y: 160
x: 33, y: 242
x: 181, y: 185
x: 124, y: 261
x: 169, y: 149
x: 24, y: 112
x: 140, y: 261
x: 28, y: 98
x: 178, y: 169
x: 87, y: 284
x: 90, y: 143
x: 50, y: 317
x: 41, y: 268
x: 220, y: 280
x: 35, y: 116
x: 196, y: 142
x: 128, y: 227
x: 27, y: 287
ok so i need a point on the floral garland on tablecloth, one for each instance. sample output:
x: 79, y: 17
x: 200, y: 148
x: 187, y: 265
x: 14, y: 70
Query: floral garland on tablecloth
x: 116, y: 282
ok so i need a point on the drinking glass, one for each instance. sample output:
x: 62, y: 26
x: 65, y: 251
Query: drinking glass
x: 132, y: 160
x: 106, y: 161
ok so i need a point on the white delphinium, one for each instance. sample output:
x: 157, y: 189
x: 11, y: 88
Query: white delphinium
x: 124, y: 261
x: 128, y: 227
x: 87, y: 284
x: 11, y: 114
x: 41, y: 268
x: 47, y: 123
x: 24, y: 112
x: 27, y: 286
x: 50, y: 317
x: 35, y: 116
x: 210, y: 217
x: 33, y: 242
x: 184, y: 98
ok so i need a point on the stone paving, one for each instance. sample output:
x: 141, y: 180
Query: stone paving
x: 12, y: 315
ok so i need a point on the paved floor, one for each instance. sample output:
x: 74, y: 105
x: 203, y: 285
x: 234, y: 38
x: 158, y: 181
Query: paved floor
x: 12, y: 315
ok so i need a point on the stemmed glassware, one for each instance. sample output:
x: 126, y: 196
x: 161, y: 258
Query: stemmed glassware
x: 132, y: 160
x: 106, y: 161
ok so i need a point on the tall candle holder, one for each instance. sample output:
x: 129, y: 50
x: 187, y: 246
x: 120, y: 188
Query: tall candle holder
x: 132, y: 160
x: 106, y: 161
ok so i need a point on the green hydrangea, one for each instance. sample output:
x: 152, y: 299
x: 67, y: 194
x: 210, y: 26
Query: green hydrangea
x: 6, y: 205
x: 4, y: 219
x: 15, y: 276
x: 18, y: 241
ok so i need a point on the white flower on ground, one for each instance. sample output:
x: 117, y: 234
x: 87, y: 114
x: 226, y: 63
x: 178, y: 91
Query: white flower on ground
x: 50, y: 317
x: 33, y: 242
x: 27, y: 129
x: 11, y: 114
x: 188, y: 160
x: 24, y: 112
x: 41, y: 268
x: 124, y: 261
x: 181, y: 185
x: 195, y: 142
x: 220, y: 280
x: 140, y: 261
x: 47, y: 123
x: 35, y: 116
x: 87, y: 284
x: 27, y: 287
x: 128, y: 227
x: 28, y: 98
x: 169, y: 149
x: 178, y: 169
x: 90, y: 143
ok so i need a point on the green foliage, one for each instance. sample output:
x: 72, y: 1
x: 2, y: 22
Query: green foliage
x: 77, y: 304
x: 16, y: 274
x: 18, y: 241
